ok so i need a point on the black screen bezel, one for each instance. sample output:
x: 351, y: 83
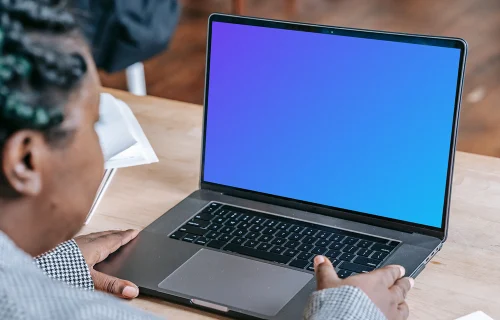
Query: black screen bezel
x: 323, y: 209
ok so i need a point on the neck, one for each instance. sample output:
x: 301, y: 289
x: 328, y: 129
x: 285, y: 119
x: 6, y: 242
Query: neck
x: 23, y: 222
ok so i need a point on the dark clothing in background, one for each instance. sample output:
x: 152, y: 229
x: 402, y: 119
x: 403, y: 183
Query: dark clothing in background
x: 123, y: 32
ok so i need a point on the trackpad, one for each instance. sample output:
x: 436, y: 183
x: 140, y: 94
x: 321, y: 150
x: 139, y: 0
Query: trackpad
x: 236, y: 283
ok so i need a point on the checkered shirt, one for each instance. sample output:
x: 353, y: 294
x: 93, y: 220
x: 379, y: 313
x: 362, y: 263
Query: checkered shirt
x: 26, y: 292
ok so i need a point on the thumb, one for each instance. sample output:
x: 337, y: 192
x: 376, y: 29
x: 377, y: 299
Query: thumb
x: 118, y: 287
x: 326, y: 277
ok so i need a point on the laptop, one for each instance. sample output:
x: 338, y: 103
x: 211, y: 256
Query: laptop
x: 317, y: 140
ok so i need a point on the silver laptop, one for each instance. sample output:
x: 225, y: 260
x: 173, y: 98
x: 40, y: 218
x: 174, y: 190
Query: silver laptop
x: 317, y: 140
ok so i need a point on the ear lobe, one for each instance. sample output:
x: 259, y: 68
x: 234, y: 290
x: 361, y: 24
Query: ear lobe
x: 21, y: 162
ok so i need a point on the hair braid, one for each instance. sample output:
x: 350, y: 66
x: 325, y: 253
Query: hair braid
x: 35, y: 77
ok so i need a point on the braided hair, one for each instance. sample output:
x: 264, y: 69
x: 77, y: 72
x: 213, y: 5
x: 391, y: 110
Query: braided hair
x: 37, y: 74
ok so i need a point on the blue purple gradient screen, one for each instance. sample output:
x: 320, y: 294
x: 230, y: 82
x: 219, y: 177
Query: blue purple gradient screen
x: 358, y: 124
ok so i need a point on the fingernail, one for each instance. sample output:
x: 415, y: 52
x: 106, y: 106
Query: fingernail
x: 412, y: 282
x: 318, y: 260
x: 403, y: 271
x: 130, y: 292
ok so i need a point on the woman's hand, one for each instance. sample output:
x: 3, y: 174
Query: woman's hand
x: 96, y: 247
x: 386, y: 287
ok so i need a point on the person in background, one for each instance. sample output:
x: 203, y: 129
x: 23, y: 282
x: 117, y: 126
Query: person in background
x: 51, y: 166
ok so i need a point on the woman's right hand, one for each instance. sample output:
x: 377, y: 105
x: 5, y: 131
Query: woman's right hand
x: 386, y: 287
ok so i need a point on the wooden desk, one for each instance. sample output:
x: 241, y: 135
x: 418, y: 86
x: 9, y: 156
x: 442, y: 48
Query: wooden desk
x: 462, y: 278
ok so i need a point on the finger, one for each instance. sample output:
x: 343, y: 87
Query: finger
x: 92, y: 236
x: 118, y: 287
x: 403, y: 311
x: 109, y: 243
x: 401, y: 288
x: 390, y: 274
x: 325, y: 272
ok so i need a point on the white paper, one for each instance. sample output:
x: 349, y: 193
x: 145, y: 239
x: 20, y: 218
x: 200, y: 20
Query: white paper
x: 122, y: 140
x: 479, y: 315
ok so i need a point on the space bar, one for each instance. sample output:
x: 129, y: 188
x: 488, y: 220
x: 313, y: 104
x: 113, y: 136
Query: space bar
x: 257, y: 253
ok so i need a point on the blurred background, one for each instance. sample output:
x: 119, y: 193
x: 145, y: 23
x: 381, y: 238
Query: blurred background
x: 178, y: 72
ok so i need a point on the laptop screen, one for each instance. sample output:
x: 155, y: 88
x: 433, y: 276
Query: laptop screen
x: 354, y: 123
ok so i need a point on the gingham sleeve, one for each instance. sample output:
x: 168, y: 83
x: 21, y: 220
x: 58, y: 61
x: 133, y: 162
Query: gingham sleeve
x: 67, y: 264
x: 344, y: 303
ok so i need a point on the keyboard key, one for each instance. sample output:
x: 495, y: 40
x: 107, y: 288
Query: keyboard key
x: 216, y: 244
x: 269, y: 231
x: 258, y: 220
x: 252, y: 235
x: 319, y: 250
x: 350, y: 249
x: 239, y: 232
x: 322, y: 243
x: 202, y: 241
x: 227, y: 230
x: 219, y: 220
x: 309, y: 231
x: 244, y: 218
x: 279, y: 241
x: 366, y: 261
x: 333, y: 254
x: 336, y: 246
x: 350, y: 241
x: 268, y: 256
x: 244, y: 225
x: 225, y: 237
x: 284, y: 226
x: 251, y: 243
x: 346, y: 257
x: 343, y: 273
x: 379, y: 255
x: 265, y: 238
x: 337, y: 238
x: 193, y: 230
x: 296, y: 229
x: 231, y: 223
x: 301, y: 264
x: 381, y: 247
x: 198, y: 223
x: 359, y: 268
x: 364, y: 244
x: 335, y: 262
x: 311, y: 267
x: 256, y: 228
x: 271, y: 223
x: 213, y: 234
x: 211, y: 207
x: 364, y: 252
x: 214, y: 227
x: 291, y: 252
x: 295, y: 236
x: 309, y: 240
x: 305, y: 247
x: 204, y: 216
x: 264, y: 246
x: 222, y: 212
x: 305, y: 256
x: 238, y: 240
x: 277, y: 250
x: 189, y: 238
x: 177, y: 235
x: 233, y: 215
x: 292, y: 244
x: 393, y: 243
x: 284, y: 234
x: 323, y: 235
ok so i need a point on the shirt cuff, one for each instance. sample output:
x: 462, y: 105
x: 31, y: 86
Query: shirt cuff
x: 346, y: 303
x: 67, y: 264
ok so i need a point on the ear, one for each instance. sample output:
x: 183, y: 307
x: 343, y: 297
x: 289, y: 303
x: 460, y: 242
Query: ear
x: 22, y: 159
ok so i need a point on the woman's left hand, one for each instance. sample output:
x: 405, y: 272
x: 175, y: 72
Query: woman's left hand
x: 96, y: 247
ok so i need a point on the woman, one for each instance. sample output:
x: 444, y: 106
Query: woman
x: 51, y: 166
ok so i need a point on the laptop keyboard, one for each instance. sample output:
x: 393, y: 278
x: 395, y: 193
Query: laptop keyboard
x: 282, y: 240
